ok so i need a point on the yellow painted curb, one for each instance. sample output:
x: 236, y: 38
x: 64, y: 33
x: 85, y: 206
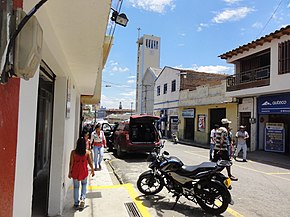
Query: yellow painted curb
x: 129, y: 187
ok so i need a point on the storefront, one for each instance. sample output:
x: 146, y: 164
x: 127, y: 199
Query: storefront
x: 274, y: 123
x: 188, y: 116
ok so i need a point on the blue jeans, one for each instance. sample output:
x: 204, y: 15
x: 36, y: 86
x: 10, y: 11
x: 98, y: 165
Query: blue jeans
x: 211, y: 147
x: 98, y: 155
x: 76, y: 190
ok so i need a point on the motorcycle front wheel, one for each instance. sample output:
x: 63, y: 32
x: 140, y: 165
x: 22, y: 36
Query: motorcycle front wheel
x: 213, y: 198
x: 149, y: 184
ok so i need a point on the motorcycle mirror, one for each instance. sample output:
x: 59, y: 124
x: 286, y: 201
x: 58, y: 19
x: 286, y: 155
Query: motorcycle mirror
x: 165, y: 153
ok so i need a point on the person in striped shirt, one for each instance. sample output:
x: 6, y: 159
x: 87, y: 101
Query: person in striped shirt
x: 221, y: 146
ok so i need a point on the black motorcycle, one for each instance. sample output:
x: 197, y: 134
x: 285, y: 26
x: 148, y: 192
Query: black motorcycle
x: 203, y: 184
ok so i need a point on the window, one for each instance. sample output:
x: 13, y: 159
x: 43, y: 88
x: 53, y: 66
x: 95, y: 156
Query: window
x: 158, y: 90
x: 284, y: 57
x: 173, y: 86
x: 165, y: 89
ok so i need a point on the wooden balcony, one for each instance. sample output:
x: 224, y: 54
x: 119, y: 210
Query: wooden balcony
x: 249, y: 79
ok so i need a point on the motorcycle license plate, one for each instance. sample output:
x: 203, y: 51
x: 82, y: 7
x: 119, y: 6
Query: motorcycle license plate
x: 227, y: 182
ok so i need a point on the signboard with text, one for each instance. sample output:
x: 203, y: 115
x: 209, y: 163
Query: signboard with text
x: 188, y: 113
x: 278, y: 104
x: 275, y: 137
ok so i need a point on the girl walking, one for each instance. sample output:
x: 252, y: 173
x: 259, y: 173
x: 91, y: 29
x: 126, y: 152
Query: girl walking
x: 99, y: 143
x: 78, y: 171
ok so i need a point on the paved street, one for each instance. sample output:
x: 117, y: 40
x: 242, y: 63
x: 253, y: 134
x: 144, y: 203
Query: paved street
x: 262, y: 189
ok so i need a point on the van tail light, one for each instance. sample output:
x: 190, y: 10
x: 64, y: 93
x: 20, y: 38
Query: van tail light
x: 127, y: 136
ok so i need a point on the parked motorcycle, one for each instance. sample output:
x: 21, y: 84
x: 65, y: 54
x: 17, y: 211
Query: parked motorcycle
x: 202, y: 184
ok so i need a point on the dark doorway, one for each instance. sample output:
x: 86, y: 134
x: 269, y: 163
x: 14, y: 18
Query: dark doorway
x: 43, y: 142
x: 189, y: 128
x: 216, y: 115
x: 245, y: 121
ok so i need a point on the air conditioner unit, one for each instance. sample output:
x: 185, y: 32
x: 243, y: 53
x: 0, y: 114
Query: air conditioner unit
x: 28, y: 47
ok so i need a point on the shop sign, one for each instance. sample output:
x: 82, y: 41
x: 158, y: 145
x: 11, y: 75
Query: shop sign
x: 275, y: 137
x: 279, y: 104
x: 188, y: 113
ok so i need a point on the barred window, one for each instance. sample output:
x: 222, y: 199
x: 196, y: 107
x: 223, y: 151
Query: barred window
x: 173, y: 86
x: 158, y: 90
x: 165, y: 89
x: 284, y: 57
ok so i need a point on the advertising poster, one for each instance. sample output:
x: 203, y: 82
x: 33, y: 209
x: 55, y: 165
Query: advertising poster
x: 275, y: 137
x: 201, y: 123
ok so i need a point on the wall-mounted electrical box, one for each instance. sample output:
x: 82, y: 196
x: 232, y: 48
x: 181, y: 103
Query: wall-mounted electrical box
x: 28, y: 47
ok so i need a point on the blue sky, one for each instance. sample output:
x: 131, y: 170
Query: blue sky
x: 193, y: 34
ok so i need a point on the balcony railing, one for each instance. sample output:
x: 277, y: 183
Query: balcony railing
x: 248, y: 79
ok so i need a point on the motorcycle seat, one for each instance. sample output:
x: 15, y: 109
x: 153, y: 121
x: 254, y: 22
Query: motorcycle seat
x: 193, y: 170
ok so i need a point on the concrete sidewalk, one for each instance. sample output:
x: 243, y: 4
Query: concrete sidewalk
x: 104, y: 198
x: 271, y: 158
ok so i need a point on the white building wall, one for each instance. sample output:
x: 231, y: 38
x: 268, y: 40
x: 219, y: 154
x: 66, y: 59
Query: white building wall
x: 63, y: 141
x: 204, y: 95
x: 25, y: 147
x: 169, y: 100
x: 147, y: 57
x: 148, y: 96
x: 278, y: 83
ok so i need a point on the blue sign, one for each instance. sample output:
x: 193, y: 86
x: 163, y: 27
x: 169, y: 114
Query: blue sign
x: 189, y: 113
x: 278, y: 104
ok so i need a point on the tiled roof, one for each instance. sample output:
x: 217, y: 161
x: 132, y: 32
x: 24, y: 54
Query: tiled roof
x: 260, y: 41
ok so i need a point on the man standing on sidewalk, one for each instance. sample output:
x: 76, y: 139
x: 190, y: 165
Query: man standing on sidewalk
x: 220, y: 149
x: 212, y: 140
x: 242, y: 135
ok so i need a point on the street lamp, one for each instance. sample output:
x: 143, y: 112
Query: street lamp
x: 120, y: 19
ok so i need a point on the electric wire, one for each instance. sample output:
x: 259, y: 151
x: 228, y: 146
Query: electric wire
x: 271, y: 17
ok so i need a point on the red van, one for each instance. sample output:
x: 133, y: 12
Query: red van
x: 138, y: 134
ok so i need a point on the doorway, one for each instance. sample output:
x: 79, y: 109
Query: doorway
x: 43, y: 140
x: 189, y: 128
x: 216, y: 115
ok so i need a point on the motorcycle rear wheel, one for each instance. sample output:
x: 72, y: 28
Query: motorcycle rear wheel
x: 149, y: 184
x: 213, y: 198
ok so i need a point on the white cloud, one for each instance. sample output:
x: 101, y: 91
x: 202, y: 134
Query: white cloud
x: 288, y: 6
x: 114, y: 102
x: 131, y: 81
x: 214, y: 69
x: 232, y: 14
x: 257, y: 25
x: 182, y: 34
x: 157, y: 6
x: 119, y: 69
x: 132, y: 77
x: 202, y: 26
x: 130, y: 93
x: 231, y: 1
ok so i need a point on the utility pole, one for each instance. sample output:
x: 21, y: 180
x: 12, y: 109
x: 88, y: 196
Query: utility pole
x: 131, y: 108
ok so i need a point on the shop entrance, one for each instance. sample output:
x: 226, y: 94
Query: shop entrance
x: 216, y: 115
x: 189, y: 129
x: 43, y: 140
